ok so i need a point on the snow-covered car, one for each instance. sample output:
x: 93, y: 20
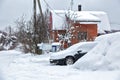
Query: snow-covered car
x: 72, y: 54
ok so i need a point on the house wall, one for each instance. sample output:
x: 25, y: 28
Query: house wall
x: 83, y: 32
x: 50, y: 26
x: 50, y: 21
x: 79, y: 32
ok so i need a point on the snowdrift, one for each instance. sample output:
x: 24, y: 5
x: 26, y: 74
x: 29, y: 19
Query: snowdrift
x: 105, y: 56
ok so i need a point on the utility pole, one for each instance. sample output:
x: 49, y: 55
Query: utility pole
x: 40, y: 8
x: 35, y: 26
x: 43, y: 18
x: 34, y: 10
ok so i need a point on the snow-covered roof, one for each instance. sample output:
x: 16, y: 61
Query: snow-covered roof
x: 58, y: 18
x: 104, y: 24
x: 91, y: 17
x: 84, y: 17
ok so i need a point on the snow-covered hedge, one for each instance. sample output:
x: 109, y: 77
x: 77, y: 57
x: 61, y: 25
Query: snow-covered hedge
x: 105, y: 56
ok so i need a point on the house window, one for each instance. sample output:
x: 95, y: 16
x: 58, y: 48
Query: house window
x: 82, y: 36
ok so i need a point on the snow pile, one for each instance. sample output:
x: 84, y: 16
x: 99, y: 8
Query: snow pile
x: 105, y: 56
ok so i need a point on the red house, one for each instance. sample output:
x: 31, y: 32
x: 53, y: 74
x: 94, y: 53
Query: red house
x: 70, y: 27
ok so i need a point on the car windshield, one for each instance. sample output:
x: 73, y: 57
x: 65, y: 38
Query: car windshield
x: 84, y: 46
x: 87, y: 47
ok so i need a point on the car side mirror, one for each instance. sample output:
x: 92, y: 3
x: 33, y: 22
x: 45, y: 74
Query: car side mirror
x: 79, y: 51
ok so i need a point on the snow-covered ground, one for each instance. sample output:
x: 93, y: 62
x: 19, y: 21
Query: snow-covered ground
x: 102, y: 63
x: 18, y: 66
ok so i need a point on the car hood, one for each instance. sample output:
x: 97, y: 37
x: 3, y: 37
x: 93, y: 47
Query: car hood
x: 61, y: 54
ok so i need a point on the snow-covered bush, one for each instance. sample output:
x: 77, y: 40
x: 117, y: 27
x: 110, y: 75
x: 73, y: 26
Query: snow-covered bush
x: 7, y: 42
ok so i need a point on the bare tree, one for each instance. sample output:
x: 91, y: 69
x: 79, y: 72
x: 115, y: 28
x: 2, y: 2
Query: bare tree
x: 29, y: 35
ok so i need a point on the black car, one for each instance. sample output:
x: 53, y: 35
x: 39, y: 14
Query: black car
x: 71, y: 54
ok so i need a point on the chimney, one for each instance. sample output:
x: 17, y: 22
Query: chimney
x: 79, y: 7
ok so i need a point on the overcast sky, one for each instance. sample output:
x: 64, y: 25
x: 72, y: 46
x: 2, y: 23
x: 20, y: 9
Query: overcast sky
x: 11, y: 10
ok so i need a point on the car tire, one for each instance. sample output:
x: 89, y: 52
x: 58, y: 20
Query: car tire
x: 69, y: 61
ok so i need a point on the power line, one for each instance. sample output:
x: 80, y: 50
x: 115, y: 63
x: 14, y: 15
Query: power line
x: 66, y: 12
x: 48, y: 5
x: 52, y: 9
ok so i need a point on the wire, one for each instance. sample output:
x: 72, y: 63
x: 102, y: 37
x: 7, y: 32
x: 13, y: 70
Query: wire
x: 52, y: 9
x: 48, y: 5
x: 68, y: 12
